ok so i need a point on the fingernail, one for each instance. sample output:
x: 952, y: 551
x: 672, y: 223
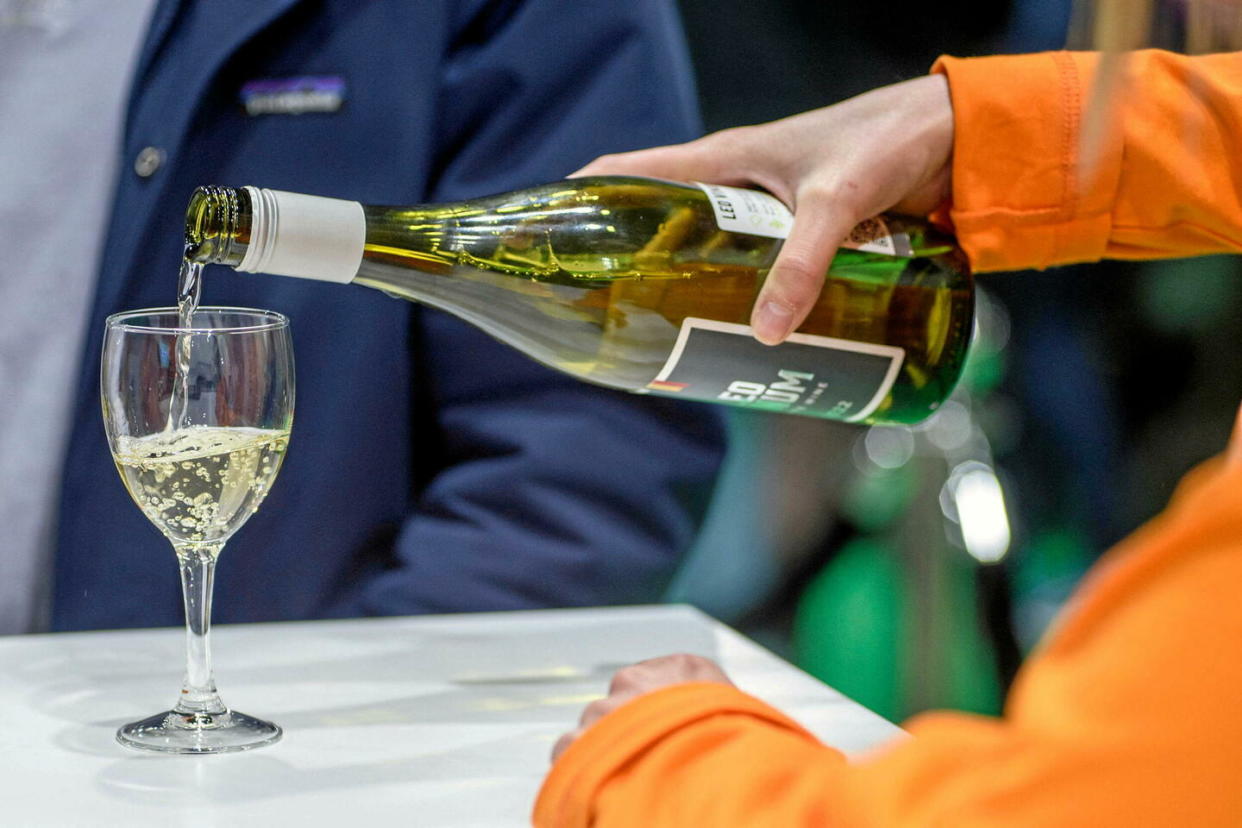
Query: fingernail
x: 772, y: 323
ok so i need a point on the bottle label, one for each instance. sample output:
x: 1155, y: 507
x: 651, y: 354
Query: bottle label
x: 806, y: 374
x: 760, y: 214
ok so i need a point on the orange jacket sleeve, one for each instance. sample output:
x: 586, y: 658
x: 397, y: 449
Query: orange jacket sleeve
x: 1168, y: 181
x: 1130, y: 714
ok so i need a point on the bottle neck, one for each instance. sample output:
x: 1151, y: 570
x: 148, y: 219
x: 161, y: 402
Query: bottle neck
x: 268, y: 231
x: 218, y: 223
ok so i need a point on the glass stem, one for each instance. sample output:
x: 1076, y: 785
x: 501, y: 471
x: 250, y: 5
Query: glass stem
x: 199, y: 702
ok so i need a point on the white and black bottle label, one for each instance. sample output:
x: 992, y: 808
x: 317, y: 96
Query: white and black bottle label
x: 806, y: 374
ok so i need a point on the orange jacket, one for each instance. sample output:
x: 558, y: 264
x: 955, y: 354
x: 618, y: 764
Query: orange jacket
x: 1131, y: 712
x: 1168, y: 181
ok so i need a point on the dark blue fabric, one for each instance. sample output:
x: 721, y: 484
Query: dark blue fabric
x: 430, y: 468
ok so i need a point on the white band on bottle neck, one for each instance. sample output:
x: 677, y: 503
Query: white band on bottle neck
x: 306, y: 236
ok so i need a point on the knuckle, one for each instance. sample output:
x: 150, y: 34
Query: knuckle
x: 733, y: 138
x: 593, y: 711
x: 701, y: 153
x: 836, y: 202
x: 816, y: 193
x: 824, y: 198
x: 699, y: 667
x: 796, y: 278
x: 721, y: 154
x: 622, y: 679
x: 611, y: 159
x: 685, y: 660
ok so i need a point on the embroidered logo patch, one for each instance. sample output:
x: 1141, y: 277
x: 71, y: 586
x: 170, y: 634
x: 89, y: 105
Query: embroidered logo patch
x: 293, y: 96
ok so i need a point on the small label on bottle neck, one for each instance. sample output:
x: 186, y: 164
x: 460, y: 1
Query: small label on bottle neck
x: 821, y: 376
x: 759, y: 214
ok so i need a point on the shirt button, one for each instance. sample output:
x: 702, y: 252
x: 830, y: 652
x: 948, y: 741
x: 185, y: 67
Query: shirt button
x: 148, y: 161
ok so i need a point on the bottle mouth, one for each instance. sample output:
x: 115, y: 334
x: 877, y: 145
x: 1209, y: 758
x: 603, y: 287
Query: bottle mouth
x: 215, y: 227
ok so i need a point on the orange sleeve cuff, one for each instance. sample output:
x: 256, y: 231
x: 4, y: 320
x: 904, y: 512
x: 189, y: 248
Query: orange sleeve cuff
x: 569, y: 792
x: 1018, y: 201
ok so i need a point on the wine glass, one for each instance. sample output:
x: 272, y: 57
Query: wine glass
x: 198, y: 420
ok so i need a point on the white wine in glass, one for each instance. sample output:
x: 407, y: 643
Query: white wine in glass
x: 199, y: 484
x: 198, y: 409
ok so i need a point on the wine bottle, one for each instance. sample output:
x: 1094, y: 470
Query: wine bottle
x: 636, y: 284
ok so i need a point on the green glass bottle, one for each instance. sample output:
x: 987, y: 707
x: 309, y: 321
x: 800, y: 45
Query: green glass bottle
x: 636, y: 284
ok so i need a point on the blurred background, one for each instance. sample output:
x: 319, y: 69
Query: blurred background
x: 914, y: 568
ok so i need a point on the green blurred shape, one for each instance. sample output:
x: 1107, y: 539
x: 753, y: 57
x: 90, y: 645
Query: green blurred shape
x: 862, y: 628
x: 847, y: 629
x: 877, y: 498
x: 968, y: 680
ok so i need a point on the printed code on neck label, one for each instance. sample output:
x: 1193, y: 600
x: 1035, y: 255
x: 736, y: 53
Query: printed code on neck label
x: 760, y: 214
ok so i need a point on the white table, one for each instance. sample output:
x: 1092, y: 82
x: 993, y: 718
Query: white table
x: 433, y: 721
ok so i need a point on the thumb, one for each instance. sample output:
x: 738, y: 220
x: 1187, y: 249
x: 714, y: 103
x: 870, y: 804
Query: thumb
x: 797, y: 276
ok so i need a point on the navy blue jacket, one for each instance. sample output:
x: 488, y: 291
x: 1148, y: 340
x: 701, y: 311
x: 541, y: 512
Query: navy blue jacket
x: 430, y: 468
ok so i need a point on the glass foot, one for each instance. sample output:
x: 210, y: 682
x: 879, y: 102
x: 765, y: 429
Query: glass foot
x: 174, y: 732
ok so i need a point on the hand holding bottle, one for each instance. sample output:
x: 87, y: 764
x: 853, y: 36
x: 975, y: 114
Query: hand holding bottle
x: 888, y: 149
